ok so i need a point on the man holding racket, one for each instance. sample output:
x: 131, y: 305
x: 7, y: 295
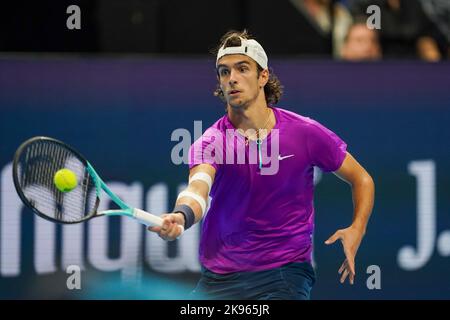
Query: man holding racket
x: 256, y: 240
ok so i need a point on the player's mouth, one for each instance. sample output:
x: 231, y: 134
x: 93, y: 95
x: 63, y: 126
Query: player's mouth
x: 233, y: 92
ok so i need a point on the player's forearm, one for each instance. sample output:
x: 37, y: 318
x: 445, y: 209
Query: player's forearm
x: 363, y: 192
x: 193, y: 201
x: 195, y: 187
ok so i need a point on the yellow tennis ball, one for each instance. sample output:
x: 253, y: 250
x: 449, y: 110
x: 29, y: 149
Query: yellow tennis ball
x: 65, y: 180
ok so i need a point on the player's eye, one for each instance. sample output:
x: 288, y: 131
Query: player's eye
x: 224, y: 72
x: 243, y: 69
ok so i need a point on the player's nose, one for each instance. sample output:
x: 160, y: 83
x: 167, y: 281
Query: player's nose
x: 233, y: 79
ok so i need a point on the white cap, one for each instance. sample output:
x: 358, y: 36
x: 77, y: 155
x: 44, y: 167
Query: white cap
x: 248, y: 47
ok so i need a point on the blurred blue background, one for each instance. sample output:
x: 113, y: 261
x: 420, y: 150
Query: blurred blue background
x: 120, y: 112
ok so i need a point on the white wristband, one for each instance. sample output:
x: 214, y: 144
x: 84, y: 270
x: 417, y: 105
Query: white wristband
x: 203, y: 177
x: 196, y: 197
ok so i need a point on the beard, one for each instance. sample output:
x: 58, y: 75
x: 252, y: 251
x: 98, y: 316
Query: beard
x: 242, y: 104
x: 238, y: 104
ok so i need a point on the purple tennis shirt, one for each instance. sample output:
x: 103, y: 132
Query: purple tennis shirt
x: 261, y: 215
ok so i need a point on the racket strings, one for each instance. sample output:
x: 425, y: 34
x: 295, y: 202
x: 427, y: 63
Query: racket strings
x: 38, y: 164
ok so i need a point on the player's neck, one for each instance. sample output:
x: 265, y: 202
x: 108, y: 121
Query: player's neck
x: 253, y: 117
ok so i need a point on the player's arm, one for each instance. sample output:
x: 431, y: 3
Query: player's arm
x: 195, y: 196
x: 191, y: 203
x: 363, y: 192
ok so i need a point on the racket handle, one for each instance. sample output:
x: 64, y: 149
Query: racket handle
x: 150, y: 220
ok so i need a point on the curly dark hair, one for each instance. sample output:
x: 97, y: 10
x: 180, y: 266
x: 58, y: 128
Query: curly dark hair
x: 273, y: 89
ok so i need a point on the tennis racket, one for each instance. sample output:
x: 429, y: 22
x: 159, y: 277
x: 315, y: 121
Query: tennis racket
x: 35, y: 163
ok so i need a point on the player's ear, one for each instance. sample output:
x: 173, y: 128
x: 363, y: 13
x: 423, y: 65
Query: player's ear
x: 263, y: 77
x: 218, y: 79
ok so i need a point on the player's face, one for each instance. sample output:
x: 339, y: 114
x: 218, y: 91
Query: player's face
x: 239, y: 81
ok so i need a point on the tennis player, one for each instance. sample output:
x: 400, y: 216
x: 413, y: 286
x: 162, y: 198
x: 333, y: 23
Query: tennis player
x: 256, y: 239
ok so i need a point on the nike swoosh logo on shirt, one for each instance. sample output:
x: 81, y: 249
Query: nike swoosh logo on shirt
x: 284, y: 157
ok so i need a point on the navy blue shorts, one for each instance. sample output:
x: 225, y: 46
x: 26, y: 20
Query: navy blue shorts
x: 292, y: 281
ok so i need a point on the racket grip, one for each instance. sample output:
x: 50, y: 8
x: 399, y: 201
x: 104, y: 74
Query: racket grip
x: 150, y: 220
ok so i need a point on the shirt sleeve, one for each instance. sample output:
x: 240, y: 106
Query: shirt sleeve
x: 207, y: 149
x: 326, y: 150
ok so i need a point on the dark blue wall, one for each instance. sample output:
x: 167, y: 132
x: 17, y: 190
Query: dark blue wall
x: 120, y: 114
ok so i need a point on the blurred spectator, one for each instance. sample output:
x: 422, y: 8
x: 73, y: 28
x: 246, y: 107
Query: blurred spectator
x: 361, y: 43
x: 289, y: 31
x: 438, y: 11
x: 406, y: 31
x: 318, y: 13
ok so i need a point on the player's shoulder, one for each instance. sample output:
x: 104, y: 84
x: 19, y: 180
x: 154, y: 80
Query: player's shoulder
x: 291, y: 118
x: 219, y: 125
x: 211, y: 133
x: 299, y: 124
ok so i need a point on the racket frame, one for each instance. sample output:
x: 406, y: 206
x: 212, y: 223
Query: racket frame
x: 125, y: 210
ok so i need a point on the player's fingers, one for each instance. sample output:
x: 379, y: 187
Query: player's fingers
x: 333, y: 238
x: 164, y: 236
x: 164, y: 230
x: 165, y: 225
x: 154, y: 229
x: 351, y: 265
x: 352, y: 278
x: 174, y: 232
x: 342, y: 266
x: 344, y: 275
x: 171, y: 233
x: 172, y: 228
x: 166, y: 222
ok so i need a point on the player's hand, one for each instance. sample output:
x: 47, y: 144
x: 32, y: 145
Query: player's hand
x: 351, y: 239
x: 172, y: 226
